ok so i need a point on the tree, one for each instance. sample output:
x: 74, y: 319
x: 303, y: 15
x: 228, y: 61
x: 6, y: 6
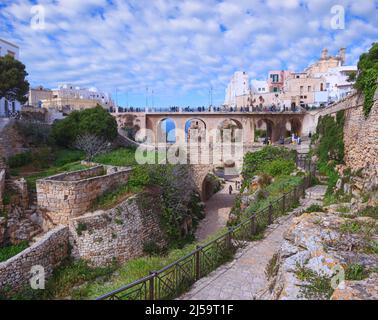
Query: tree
x: 13, y: 85
x: 96, y: 121
x: 92, y: 145
x: 367, y: 76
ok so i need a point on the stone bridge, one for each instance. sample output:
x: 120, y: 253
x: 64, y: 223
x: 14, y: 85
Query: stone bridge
x: 276, y: 124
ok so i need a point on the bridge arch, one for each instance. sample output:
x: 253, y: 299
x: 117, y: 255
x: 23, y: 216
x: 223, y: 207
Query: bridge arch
x: 232, y: 124
x: 294, y: 125
x: 166, y: 130
x: 267, y: 126
x: 197, y: 127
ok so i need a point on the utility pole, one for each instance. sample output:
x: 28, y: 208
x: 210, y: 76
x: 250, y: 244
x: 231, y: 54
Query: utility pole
x: 211, y: 96
x: 146, y: 97
x: 116, y: 100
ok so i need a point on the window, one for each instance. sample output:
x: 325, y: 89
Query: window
x: 275, y: 78
x: 309, y: 89
x: 301, y: 89
x: 275, y: 89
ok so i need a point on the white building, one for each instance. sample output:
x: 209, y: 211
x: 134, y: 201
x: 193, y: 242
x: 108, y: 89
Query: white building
x: 68, y: 97
x: 238, y: 86
x: 71, y: 91
x: 259, y: 86
x: 337, y: 84
x: 7, y: 108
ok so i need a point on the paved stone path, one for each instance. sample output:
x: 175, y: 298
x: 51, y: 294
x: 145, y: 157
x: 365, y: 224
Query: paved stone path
x: 3, y: 123
x: 217, y: 209
x: 244, y: 278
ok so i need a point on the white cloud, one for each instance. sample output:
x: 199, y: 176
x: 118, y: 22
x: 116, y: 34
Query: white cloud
x: 176, y: 46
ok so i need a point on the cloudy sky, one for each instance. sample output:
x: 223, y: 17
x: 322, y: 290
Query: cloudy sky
x: 178, y: 48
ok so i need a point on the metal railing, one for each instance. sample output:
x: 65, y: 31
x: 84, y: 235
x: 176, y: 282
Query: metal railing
x: 179, y: 276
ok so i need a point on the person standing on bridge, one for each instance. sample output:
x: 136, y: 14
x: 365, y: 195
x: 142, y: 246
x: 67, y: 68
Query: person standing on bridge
x: 230, y: 189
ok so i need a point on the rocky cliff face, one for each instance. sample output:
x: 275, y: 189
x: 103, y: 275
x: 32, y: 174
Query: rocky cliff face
x: 323, y: 249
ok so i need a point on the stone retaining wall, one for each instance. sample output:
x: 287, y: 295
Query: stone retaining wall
x: 2, y: 187
x: 48, y: 252
x: 361, y: 142
x: 117, y: 234
x: 72, y: 194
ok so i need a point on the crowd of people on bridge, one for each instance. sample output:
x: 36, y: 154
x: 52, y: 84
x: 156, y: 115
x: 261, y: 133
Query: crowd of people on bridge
x: 257, y: 108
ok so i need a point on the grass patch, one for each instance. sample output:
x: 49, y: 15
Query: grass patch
x: 31, y: 180
x: 343, y: 209
x: 122, y: 157
x: 272, y: 267
x: 111, y: 198
x: 316, y: 286
x: 10, y: 251
x: 356, y: 272
x: 314, y: 208
x: 366, y: 228
x: 69, y: 275
x: 371, y: 212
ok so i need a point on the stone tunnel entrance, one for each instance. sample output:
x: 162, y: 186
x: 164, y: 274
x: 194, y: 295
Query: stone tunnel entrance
x: 208, y: 188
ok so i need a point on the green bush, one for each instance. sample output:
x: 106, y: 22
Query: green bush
x: 254, y: 160
x: 95, y: 121
x: 139, y: 177
x: 151, y: 248
x: 10, y: 251
x: 367, y: 76
x: 314, y: 208
x: 278, y: 167
x: 36, y: 133
x: 20, y: 160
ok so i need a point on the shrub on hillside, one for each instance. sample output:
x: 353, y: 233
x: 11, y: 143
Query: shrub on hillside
x: 367, y: 76
x: 278, y: 167
x: 96, y: 121
x: 20, y: 160
x: 253, y: 161
x: 36, y: 133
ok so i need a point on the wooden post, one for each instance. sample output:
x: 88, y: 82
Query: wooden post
x: 152, y: 285
x: 198, y: 263
x: 270, y: 214
x: 229, y: 238
x: 253, y: 225
x: 283, y: 203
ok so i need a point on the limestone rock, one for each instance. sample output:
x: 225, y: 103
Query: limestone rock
x: 314, y: 243
x: 358, y: 290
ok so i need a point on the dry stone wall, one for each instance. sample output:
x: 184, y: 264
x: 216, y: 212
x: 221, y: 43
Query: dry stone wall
x: 117, y: 234
x: 69, y: 195
x: 2, y: 187
x: 361, y: 142
x: 48, y: 252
